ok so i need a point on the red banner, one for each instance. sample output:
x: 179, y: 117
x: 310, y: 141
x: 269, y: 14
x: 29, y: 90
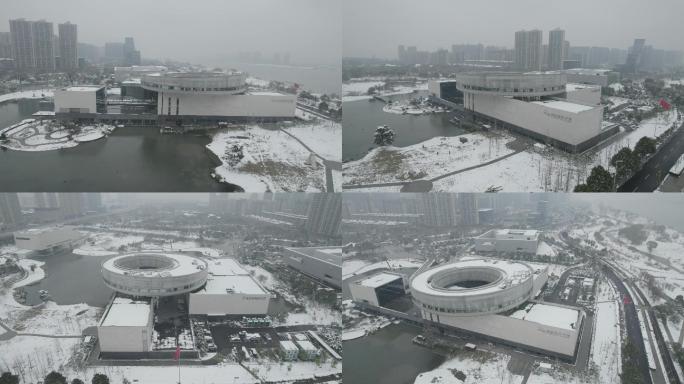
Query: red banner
x: 666, y: 106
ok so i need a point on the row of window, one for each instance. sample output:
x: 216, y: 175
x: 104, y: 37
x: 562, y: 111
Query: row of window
x: 193, y: 89
x: 521, y: 90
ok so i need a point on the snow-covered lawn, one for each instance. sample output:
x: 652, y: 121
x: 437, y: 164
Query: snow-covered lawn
x: 428, y: 159
x: 536, y: 169
x: 358, y: 90
x: 478, y: 368
x: 605, y: 347
x: 37, y: 94
x: 273, y: 161
x: 34, y: 272
x: 36, y: 135
x: 323, y: 136
x: 299, y: 370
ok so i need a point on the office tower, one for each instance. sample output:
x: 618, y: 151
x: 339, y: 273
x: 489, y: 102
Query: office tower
x: 401, y: 53
x: 10, y: 211
x: 634, y: 56
x: 557, y: 51
x: 68, y: 46
x: 22, y: 44
x: 325, y: 214
x: 43, y: 46
x: 130, y: 55
x: 468, y: 209
x: 439, y: 209
x: 528, y: 50
x: 5, y: 45
x: 114, y: 53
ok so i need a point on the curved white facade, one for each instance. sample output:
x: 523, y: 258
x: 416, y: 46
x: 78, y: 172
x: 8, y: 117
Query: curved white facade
x: 473, y: 287
x: 154, y: 274
x: 532, y: 84
x: 206, y: 83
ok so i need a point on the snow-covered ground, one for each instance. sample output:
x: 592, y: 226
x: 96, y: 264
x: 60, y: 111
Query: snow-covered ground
x: 358, y: 89
x: 406, y: 108
x: 36, y: 135
x: 428, y: 159
x: 605, y: 345
x: 273, y: 161
x: 359, y: 324
x: 34, y: 272
x: 479, y: 368
x: 36, y: 94
x: 536, y: 169
x: 323, y: 136
x: 301, y: 370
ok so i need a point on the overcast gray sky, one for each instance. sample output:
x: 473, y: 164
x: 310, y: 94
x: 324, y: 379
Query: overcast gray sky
x: 203, y: 31
x: 375, y: 28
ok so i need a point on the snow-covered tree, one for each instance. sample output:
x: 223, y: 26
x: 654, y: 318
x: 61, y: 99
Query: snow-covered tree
x: 384, y: 135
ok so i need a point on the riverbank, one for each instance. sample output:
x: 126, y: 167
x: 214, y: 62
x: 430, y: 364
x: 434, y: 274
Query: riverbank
x: 261, y: 159
x: 45, y: 135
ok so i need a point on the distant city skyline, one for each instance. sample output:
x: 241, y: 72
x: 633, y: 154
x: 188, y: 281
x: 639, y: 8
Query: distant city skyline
x: 443, y: 23
x: 310, y: 30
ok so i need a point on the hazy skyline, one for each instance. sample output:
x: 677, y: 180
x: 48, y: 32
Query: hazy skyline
x: 375, y: 28
x: 205, y: 32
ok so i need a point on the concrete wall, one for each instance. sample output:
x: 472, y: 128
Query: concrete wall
x: 568, y: 127
x: 124, y: 339
x: 73, y: 101
x: 318, y: 269
x: 585, y: 95
x: 228, y: 304
x: 535, y: 336
x: 227, y: 105
x: 363, y: 293
x: 601, y: 79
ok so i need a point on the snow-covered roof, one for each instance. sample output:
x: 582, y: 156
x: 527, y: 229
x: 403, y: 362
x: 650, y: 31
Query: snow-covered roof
x: 265, y: 93
x: 331, y: 255
x: 225, y: 267
x: 577, y: 86
x: 516, y: 234
x: 378, y: 279
x: 84, y: 88
x: 288, y: 346
x: 551, y: 315
x: 565, y: 106
x: 178, y: 265
x: 232, y: 284
x: 127, y: 313
x: 306, y: 345
x: 512, y: 273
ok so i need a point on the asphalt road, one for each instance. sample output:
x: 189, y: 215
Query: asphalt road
x: 652, y: 173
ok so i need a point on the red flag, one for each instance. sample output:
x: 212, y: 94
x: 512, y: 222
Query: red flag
x: 176, y: 355
x: 626, y: 300
x: 666, y: 106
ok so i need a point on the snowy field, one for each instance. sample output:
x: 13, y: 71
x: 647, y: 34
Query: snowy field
x: 36, y: 135
x: 479, y: 368
x: 605, y: 347
x: 358, y: 90
x: 36, y: 94
x: 428, y: 159
x: 539, y: 168
x: 273, y: 161
x: 323, y: 136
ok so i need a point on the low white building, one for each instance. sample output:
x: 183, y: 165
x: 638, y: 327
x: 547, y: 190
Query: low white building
x: 43, y: 239
x: 122, y: 74
x: 126, y: 326
x: 230, y: 290
x: 321, y: 263
x: 81, y: 99
x: 378, y: 289
x: 508, y: 240
x: 309, y: 351
x: 289, y: 350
